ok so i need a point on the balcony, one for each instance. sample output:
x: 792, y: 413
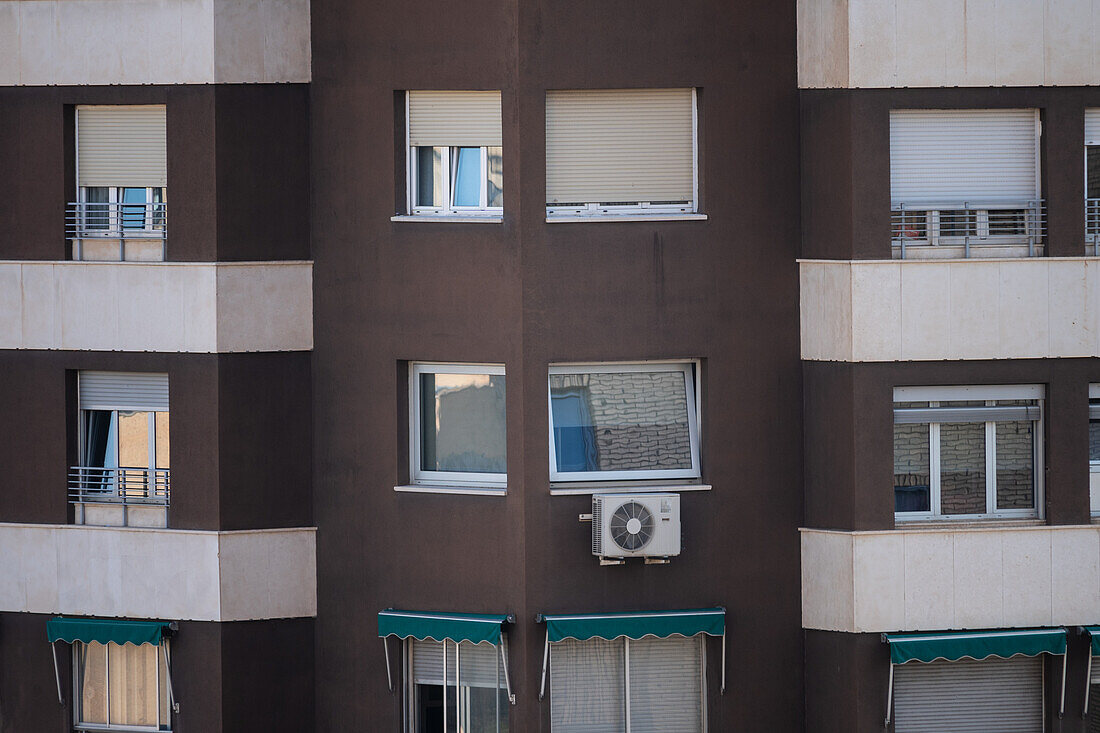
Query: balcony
x: 964, y: 229
x: 118, y: 232
x: 120, y: 497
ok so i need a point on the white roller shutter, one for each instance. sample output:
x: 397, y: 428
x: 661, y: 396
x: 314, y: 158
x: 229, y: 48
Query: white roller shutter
x: 666, y: 685
x: 979, y: 155
x: 123, y: 391
x: 619, y: 145
x: 1003, y: 695
x: 427, y: 658
x: 477, y: 664
x: 587, y: 686
x: 454, y: 118
x: 121, y: 146
x: 1092, y: 126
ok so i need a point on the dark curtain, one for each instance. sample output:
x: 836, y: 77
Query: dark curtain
x: 97, y: 429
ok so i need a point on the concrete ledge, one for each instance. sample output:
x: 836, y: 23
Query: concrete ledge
x: 159, y: 573
x: 966, y: 578
x: 923, y: 310
x: 164, y: 306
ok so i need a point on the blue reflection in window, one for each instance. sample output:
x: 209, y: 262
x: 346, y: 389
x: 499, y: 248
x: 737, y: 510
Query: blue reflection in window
x: 133, y: 217
x: 468, y: 177
x: 574, y: 433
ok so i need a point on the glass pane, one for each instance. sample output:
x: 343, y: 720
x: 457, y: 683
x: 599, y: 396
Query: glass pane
x: 962, y: 468
x: 162, y: 440
x: 159, y: 199
x: 1092, y: 164
x: 429, y: 171
x: 467, y: 175
x: 1015, y: 465
x: 1094, y: 440
x: 627, y: 421
x: 1004, y: 222
x: 495, y: 181
x: 133, y: 452
x: 479, y: 675
x: 910, y: 225
x: 93, y: 689
x: 958, y: 223
x: 100, y: 450
x: 133, y: 682
x: 133, y: 217
x: 462, y: 423
x: 912, y: 488
x: 97, y: 217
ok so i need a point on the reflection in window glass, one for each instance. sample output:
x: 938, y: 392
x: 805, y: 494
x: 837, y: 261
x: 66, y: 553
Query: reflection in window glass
x: 162, y: 439
x: 495, y: 180
x: 467, y: 177
x: 1015, y: 465
x: 911, y: 468
x: 962, y: 468
x: 462, y: 423
x: 429, y: 168
x: 133, y: 217
x: 1092, y: 164
x: 97, y: 217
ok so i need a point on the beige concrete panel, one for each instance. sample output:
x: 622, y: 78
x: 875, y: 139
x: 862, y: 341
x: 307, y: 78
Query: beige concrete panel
x: 929, y: 582
x: 88, y: 306
x: 11, y: 303
x: 1075, y: 576
x: 37, y: 41
x: 879, y: 581
x: 974, y: 326
x: 151, y: 517
x: 922, y: 46
x: 9, y: 43
x: 876, y: 310
x: 238, y: 47
x: 836, y: 325
x: 873, y: 31
x: 287, y: 50
x: 38, y: 568
x: 1024, y: 309
x: 1027, y: 577
x: 147, y: 321
x: 827, y: 600
x: 196, y: 39
x: 269, y: 574
x: 13, y: 587
x: 925, y: 308
x: 98, y: 515
x: 1020, y: 39
x: 1069, y: 42
x: 197, y: 293
x: 812, y: 307
x: 981, y: 43
x: 1071, y: 318
x: 41, y: 326
x: 265, y: 307
x: 823, y: 43
x: 979, y: 578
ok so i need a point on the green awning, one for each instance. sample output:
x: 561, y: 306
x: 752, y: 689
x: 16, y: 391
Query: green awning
x: 1094, y: 632
x: 974, y: 645
x: 660, y: 624
x: 104, y: 631
x: 439, y: 626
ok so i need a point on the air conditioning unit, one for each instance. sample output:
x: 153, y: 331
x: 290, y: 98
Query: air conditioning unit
x: 635, y: 525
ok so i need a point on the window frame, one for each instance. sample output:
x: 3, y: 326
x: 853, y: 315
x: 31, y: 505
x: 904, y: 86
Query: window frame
x: 932, y: 394
x: 163, y: 654
x: 690, y: 370
x: 153, y: 213
x: 1094, y: 465
x: 408, y: 693
x: 443, y: 479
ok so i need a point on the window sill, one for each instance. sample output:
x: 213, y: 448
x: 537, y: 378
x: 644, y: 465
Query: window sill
x: 614, y: 487
x: 462, y: 490
x: 990, y: 523
x: 429, y: 219
x: 571, y: 219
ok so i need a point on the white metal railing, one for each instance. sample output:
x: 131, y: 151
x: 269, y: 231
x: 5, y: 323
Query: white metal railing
x: 1092, y: 226
x: 115, y: 220
x: 126, y: 485
x: 969, y: 224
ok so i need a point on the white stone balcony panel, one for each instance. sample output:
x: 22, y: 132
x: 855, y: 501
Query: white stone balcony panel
x: 74, y: 42
x: 946, y: 43
x: 943, y: 578
x: 178, y: 307
x: 930, y: 310
x: 158, y: 573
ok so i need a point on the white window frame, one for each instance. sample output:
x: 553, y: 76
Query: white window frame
x: 421, y: 477
x: 932, y: 395
x: 1094, y: 465
x: 162, y: 649
x: 627, y: 211
x: 115, y: 216
x: 690, y: 370
x: 411, y: 724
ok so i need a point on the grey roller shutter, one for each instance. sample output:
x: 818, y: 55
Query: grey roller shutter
x: 121, y: 146
x: 477, y: 665
x: 619, y: 146
x: 587, y: 686
x: 454, y: 118
x: 1092, y: 126
x: 666, y: 685
x: 123, y: 391
x: 428, y: 662
x: 978, y: 155
x: 1003, y: 695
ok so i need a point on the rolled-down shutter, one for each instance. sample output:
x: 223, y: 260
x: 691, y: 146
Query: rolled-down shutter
x: 478, y: 665
x: 957, y: 156
x: 587, y: 686
x: 123, y: 391
x: 1092, y: 126
x: 428, y: 662
x: 619, y: 146
x: 1094, y: 696
x: 454, y: 118
x: 666, y: 685
x: 969, y: 697
x: 121, y: 146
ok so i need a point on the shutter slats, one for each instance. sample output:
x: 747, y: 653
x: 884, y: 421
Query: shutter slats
x: 587, y: 686
x: 619, y: 145
x: 957, y: 155
x: 1004, y: 695
x: 454, y: 118
x: 666, y: 685
x: 123, y: 391
x: 1092, y: 126
x: 121, y: 146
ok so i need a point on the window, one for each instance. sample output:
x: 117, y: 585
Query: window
x: 455, y: 165
x: 458, y: 425
x: 647, y: 685
x: 451, y: 687
x: 1092, y: 180
x: 965, y: 178
x: 620, y: 152
x: 121, y: 208
x: 123, y: 440
x: 1094, y: 448
x: 624, y: 422
x: 967, y: 452
x: 121, y: 687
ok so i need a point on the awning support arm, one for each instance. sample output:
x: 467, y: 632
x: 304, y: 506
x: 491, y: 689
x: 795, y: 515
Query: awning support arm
x: 545, y: 661
x: 57, y: 673
x: 386, y: 651
x: 889, y: 696
x: 507, y: 680
x: 1062, y: 704
x: 1088, y: 681
x: 723, y: 663
x: 175, y: 706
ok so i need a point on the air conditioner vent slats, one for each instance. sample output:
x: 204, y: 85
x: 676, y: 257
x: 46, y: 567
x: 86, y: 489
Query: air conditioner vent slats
x: 636, y: 525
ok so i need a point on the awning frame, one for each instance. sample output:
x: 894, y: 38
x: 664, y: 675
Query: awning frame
x: 1094, y: 647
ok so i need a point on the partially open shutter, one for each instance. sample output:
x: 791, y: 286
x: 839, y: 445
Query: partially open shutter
x: 971, y: 155
x: 666, y: 685
x: 970, y: 697
x: 619, y: 146
x: 428, y: 662
x: 478, y: 665
x: 454, y: 118
x: 1092, y: 126
x: 123, y: 391
x: 121, y: 146
x: 587, y: 686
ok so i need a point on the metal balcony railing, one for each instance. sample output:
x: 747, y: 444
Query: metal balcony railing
x: 969, y: 225
x: 111, y: 221
x: 1092, y: 227
x: 96, y: 485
